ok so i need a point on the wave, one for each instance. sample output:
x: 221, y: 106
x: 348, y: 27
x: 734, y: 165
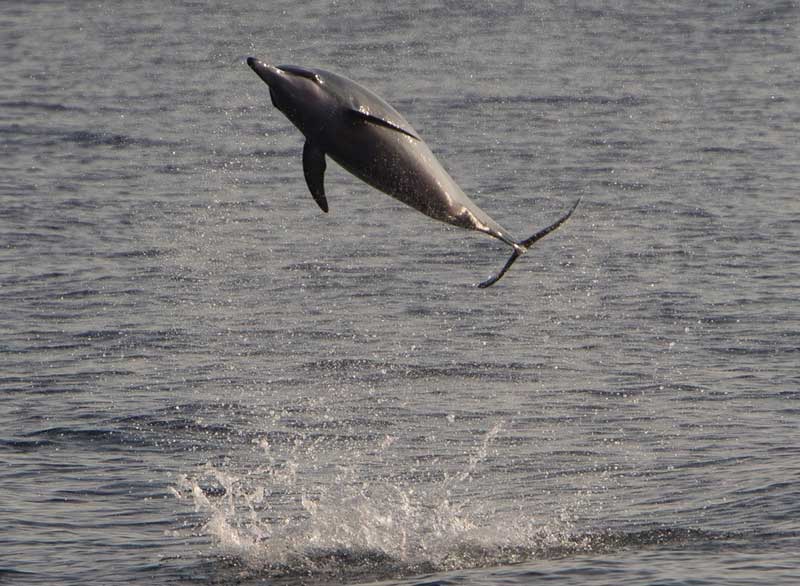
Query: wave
x: 35, y: 105
x: 343, y: 564
x: 102, y: 138
x: 600, y: 100
x: 30, y: 135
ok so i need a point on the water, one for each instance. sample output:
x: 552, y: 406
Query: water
x: 207, y: 380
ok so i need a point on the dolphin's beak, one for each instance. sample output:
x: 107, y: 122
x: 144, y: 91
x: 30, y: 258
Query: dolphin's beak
x: 269, y: 73
x: 265, y: 71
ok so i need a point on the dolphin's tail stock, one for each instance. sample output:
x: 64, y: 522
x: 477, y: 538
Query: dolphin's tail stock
x: 523, y: 245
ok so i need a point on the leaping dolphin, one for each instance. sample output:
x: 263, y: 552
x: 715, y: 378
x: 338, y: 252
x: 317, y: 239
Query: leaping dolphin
x: 373, y: 141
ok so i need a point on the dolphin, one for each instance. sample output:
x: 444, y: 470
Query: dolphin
x: 373, y: 141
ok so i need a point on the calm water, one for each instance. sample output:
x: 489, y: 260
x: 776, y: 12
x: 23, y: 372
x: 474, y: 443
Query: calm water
x: 205, y: 379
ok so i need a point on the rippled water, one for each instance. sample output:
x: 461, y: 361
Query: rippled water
x: 206, y: 380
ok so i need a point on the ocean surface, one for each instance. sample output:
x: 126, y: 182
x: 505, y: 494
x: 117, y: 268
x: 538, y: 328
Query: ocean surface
x: 206, y: 380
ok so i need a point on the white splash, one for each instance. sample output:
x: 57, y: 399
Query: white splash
x: 270, y: 520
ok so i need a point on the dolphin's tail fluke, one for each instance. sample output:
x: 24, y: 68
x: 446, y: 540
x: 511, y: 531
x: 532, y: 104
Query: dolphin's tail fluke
x: 523, y: 245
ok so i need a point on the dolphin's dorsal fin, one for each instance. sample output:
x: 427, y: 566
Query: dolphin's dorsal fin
x: 363, y: 114
x: 314, y: 170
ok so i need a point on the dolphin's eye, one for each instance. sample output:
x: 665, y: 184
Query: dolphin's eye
x: 301, y: 72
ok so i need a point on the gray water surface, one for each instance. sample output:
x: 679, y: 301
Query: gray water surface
x: 205, y: 379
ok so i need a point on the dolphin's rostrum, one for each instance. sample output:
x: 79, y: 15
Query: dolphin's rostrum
x: 372, y: 140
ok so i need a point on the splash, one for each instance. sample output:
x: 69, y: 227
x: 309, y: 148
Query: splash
x: 276, y: 522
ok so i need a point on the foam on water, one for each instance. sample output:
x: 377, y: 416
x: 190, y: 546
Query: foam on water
x: 298, y: 515
x: 351, y: 527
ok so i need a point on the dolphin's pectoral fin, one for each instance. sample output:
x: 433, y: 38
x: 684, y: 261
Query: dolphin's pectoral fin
x: 523, y: 245
x: 314, y: 170
x: 372, y: 119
